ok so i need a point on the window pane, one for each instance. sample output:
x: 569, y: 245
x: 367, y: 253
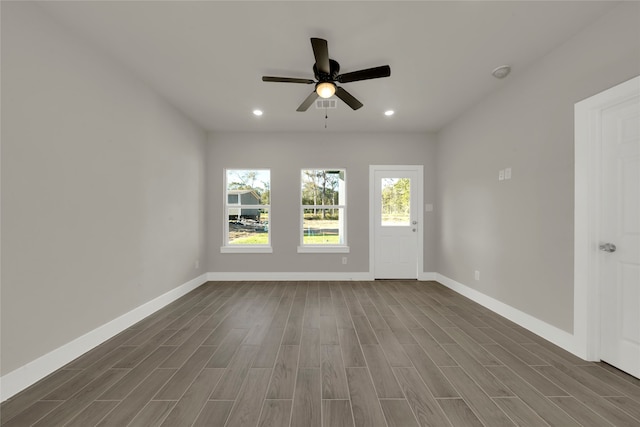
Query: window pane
x: 249, y: 186
x: 248, y: 231
x: 322, y: 187
x: 323, y: 227
x: 395, y: 201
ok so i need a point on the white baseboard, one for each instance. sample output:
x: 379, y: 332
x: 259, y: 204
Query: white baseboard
x: 21, y: 378
x: 286, y: 276
x: 550, y: 333
x: 427, y: 276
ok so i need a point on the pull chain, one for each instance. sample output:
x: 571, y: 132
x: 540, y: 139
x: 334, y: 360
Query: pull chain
x: 326, y: 116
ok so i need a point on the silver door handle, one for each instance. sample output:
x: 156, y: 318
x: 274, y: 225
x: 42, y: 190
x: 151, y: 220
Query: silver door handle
x: 608, y: 247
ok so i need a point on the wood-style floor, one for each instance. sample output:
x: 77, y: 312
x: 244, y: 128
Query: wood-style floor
x: 327, y: 354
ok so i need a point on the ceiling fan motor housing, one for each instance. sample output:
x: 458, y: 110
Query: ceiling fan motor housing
x: 331, y: 77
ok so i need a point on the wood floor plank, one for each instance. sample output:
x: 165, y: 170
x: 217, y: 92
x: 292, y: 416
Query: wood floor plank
x: 473, y: 348
x: 214, y: 413
x: 532, y: 397
x: 92, y: 372
x: 351, y: 351
x: 392, y: 348
x: 310, y: 348
x: 363, y: 330
x: 133, y: 378
x: 81, y: 399
x: 269, y: 349
x: 92, y: 414
x: 384, y: 381
x: 420, y: 399
x: 234, y: 376
x: 438, y: 384
x: 589, y: 398
x: 364, y: 402
x: 542, y: 384
x: 20, y: 402
x: 432, y: 348
x: 284, y: 373
x: 128, y: 408
x: 487, y: 382
x: 227, y: 348
x: 334, y: 380
x: 519, y: 412
x: 585, y: 416
x: 328, y: 330
x: 178, y: 384
x: 459, y: 413
x: 153, y: 413
x: 477, y: 400
x: 186, y: 349
x: 33, y: 414
x: 397, y: 413
x: 246, y: 411
x: 307, y: 401
x: 191, y: 403
x: 625, y: 383
x: 275, y: 413
x: 336, y: 413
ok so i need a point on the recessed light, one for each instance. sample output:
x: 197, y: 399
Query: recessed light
x: 257, y: 112
x: 389, y: 113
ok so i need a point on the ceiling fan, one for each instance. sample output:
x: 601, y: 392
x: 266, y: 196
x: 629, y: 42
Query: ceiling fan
x: 326, y: 72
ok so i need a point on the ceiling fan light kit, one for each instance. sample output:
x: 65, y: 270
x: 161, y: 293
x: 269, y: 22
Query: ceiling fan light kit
x: 325, y: 89
x: 326, y: 72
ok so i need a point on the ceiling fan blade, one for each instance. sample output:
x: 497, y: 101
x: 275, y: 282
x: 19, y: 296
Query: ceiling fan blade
x: 348, y: 98
x: 307, y: 102
x: 286, y: 80
x: 369, y: 73
x: 321, y: 52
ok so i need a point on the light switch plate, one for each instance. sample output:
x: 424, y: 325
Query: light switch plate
x: 501, y: 175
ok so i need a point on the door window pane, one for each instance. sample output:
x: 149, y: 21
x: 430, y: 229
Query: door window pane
x: 396, y: 204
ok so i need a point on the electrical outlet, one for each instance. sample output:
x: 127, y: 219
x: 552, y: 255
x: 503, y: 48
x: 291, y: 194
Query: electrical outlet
x: 507, y: 173
x: 477, y: 275
x: 344, y: 260
x: 501, y: 175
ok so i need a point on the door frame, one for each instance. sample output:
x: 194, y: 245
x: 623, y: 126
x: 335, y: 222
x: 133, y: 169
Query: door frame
x: 588, y: 176
x: 419, y: 170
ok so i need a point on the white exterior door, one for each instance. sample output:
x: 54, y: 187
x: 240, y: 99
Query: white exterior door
x: 619, y: 245
x: 396, y: 221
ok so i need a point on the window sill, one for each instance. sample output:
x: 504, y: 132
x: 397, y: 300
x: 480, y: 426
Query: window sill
x: 246, y: 249
x: 311, y: 249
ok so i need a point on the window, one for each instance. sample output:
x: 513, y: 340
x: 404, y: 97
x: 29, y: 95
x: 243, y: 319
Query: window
x: 396, y: 203
x: 246, y: 210
x: 323, y: 211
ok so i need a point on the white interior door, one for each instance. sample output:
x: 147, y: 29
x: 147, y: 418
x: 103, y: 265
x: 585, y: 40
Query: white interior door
x: 619, y: 245
x: 396, y: 221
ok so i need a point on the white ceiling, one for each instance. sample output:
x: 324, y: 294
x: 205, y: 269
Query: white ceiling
x: 207, y: 58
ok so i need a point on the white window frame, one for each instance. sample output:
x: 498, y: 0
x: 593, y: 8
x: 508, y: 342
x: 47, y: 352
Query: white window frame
x: 320, y: 248
x: 246, y: 249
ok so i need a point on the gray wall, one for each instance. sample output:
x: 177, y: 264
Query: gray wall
x: 286, y: 154
x: 519, y: 233
x: 102, y: 189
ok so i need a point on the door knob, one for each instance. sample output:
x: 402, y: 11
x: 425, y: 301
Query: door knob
x: 608, y: 247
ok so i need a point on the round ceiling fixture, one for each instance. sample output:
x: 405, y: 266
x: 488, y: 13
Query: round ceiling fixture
x: 501, y: 72
x: 257, y: 113
x: 389, y: 113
